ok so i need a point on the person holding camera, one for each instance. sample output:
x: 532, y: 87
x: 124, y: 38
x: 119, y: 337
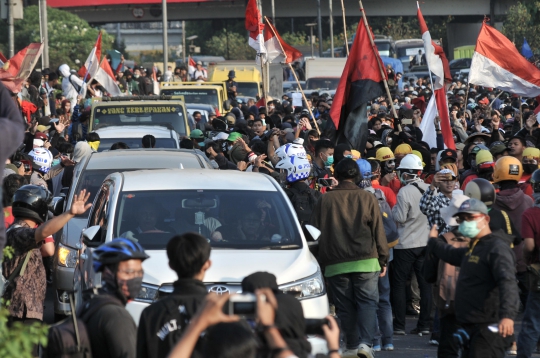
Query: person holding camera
x: 163, y: 323
x: 486, y: 298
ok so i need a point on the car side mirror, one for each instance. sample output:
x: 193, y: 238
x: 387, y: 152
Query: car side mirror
x: 227, y: 105
x: 57, y: 205
x: 312, y: 233
x: 91, y: 235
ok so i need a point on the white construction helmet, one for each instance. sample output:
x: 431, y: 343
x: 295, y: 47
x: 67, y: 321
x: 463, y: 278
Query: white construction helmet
x: 297, y: 168
x: 411, y: 161
x: 291, y: 150
x: 41, y: 160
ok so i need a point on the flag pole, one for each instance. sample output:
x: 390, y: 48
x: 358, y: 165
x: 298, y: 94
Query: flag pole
x: 295, y: 77
x: 466, y: 93
x: 344, y: 28
x: 383, y: 74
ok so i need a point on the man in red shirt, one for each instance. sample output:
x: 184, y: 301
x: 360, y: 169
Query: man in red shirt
x: 376, y: 174
x: 530, y: 230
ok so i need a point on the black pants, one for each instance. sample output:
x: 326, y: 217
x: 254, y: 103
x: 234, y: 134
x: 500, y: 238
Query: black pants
x: 404, y: 261
x: 448, y: 348
x: 484, y: 343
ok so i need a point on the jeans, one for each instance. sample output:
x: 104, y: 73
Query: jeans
x: 404, y: 261
x: 384, y: 330
x: 356, y: 296
x: 530, y: 326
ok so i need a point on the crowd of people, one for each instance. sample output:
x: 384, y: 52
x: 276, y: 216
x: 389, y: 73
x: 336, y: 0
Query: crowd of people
x: 450, y: 236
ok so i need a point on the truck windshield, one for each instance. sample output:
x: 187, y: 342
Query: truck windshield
x: 322, y: 83
x: 170, y: 116
x: 248, y: 89
x: 195, y: 95
x: 229, y: 219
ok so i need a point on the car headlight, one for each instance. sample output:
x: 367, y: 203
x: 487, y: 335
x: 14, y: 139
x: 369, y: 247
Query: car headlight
x: 148, y: 293
x: 309, y: 287
x: 67, y: 257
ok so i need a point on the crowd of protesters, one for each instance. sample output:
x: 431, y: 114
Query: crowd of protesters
x: 407, y: 228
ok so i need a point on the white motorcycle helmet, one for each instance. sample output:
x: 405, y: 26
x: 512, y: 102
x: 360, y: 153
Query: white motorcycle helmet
x: 291, y: 150
x: 41, y: 160
x: 411, y: 165
x: 297, y: 168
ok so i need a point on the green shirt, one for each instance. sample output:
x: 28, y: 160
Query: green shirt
x: 368, y: 265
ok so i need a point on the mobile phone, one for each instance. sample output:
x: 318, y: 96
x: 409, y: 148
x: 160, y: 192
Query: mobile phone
x: 243, y: 305
x: 314, y: 326
x: 406, y: 121
x: 324, y: 182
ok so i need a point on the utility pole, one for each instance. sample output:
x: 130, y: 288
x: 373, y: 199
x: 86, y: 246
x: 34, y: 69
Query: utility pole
x: 45, y: 33
x: 11, y: 30
x: 319, y: 22
x: 184, y: 40
x: 273, y: 14
x: 165, y: 39
x: 311, y: 37
x: 331, y: 27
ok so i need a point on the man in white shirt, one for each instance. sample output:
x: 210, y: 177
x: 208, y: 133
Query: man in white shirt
x: 200, y: 74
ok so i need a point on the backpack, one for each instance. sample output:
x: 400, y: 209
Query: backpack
x: 390, y: 227
x: 69, y: 338
x: 448, y: 274
x: 303, y: 201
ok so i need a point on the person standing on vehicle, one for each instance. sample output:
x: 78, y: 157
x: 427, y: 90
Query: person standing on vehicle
x: 163, y: 322
x: 111, y: 329
x: 30, y: 237
x: 354, y: 252
x: 200, y: 73
x: 486, y: 300
x: 530, y: 230
x: 413, y: 232
x: 232, y: 86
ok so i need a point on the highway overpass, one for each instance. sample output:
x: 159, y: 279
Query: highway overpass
x: 113, y: 11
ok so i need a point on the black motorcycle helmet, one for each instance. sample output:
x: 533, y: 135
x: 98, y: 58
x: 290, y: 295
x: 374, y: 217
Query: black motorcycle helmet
x: 535, y: 181
x: 481, y: 189
x: 31, y: 201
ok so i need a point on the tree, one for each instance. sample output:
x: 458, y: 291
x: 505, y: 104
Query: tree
x: 70, y: 37
x: 231, y: 45
x: 523, y: 21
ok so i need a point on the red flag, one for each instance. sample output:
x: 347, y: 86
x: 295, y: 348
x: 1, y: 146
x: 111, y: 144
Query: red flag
x: 18, y: 68
x: 105, y: 76
x: 192, y: 65
x: 90, y: 67
x: 278, y: 50
x: 255, y: 27
x: 360, y: 83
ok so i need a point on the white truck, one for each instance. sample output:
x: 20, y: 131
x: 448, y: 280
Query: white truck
x: 323, y: 74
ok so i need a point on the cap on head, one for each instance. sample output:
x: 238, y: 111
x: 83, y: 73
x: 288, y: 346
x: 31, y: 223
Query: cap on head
x: 472, y: 206
x: 196, y: 134
x: 234, y: 136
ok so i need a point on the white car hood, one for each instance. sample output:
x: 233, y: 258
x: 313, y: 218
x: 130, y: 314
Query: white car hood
x: 231, y: 266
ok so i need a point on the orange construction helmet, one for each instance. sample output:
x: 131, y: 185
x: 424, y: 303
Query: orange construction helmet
x: 507, y: 168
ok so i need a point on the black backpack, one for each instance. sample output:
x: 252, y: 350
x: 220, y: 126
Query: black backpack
x: 69, y: 338
x: 303, y: 201
x: 390, y: 227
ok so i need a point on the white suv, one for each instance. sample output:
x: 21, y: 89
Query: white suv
x: 246, y: 217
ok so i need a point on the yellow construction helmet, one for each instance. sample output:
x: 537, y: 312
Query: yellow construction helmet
x: 507, y: 168
x: 531, y: 153
x: 484, y: 156
x: 384, y: 154
x: 419, y: 155
x: 403, y: 149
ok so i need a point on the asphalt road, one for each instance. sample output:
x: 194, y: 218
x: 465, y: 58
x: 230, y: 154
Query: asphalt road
x: 409, y: 346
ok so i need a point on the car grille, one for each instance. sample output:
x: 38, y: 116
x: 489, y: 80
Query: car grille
x: 218, y: 288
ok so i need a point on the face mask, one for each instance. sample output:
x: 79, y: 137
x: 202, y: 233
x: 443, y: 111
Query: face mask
x: 56, y: 162
x: 529, y: 168
x: 349, y: 156
x: 201, y: 144
x: 94, y: 145
x: 271, y: 107
x: 469, y: 229
x: 263, y: 123
x: 329, y: 160
x: 133, y: 285
x: 136, y: 76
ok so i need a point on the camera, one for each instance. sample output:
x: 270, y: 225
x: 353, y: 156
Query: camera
x: 243, y: 305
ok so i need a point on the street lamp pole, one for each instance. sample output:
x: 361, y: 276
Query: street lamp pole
x: 319, y: 25
x: 310, y: 25
x: 165, y: 38
x: 331, y: 27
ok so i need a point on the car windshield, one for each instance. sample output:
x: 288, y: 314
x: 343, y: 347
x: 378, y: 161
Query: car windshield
x: 318, y: 83
x: 133, y: 143
x: 195, y: 95
x: 409, y: 51
x: 170, y: 116
x: 247, y: 89
x: 229, y: 219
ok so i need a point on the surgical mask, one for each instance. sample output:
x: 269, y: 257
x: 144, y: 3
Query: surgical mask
x: 55, y: 161
x: 529, y: 168
x: 201, y: 144
x: 349, y: 156
x: 133, y: 285
x: 136, y: 76
x: 469, y: 229
x: 329, y: 160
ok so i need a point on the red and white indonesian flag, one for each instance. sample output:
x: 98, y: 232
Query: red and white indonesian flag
x: 192, y: 66
x: 497, y: 63
x: 90, y: 67
x: 16, y: 70
x: 105, y: 76
x: 255, y: 28
x: 278, y: 50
